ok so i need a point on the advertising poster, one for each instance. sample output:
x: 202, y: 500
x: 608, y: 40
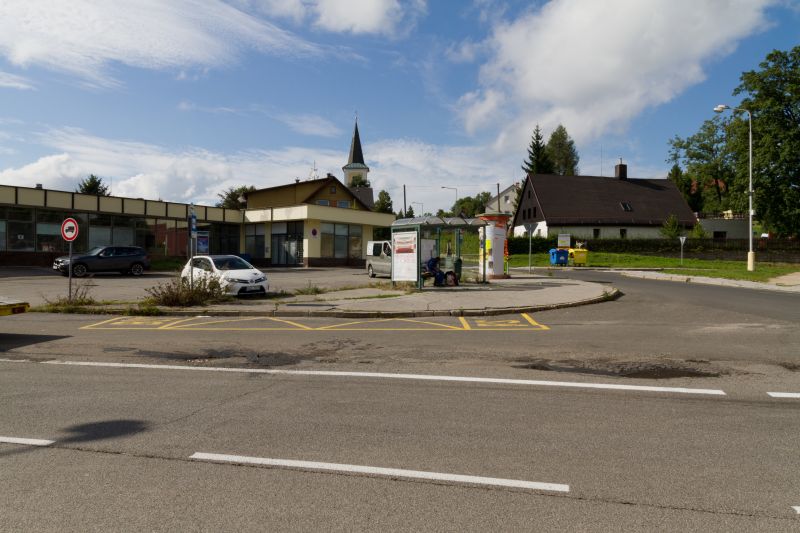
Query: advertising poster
x: 564, y: 240
x: 202, y: 243
x: 405, y: 256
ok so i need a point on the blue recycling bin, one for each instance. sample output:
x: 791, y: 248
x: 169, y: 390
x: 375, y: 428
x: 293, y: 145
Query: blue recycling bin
x: 559, y: 257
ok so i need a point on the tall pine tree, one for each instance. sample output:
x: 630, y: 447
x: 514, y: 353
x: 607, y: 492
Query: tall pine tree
x: 562, y: 152
x: 538, y: 161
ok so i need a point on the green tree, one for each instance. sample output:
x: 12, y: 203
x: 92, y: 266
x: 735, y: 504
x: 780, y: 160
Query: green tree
x: 93, y: 185
x: 469, y: 206
x: 359, y: 181
x: 671, y: 229
x: 230, y: 197
x: 708, y: 163
x: 688, y: 188
x: 538, y: 161
x: 409, y: 212
x: 562, y: 152
x: 772, y: 95
x: 384, y: 203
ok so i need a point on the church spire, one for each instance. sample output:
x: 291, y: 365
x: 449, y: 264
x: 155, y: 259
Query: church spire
x: 356, y: 155
x: 355, y: 163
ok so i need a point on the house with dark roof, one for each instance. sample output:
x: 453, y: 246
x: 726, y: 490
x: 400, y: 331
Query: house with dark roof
x: 596, y: 207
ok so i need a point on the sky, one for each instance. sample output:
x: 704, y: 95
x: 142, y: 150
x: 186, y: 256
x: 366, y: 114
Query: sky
x: 181, y: 99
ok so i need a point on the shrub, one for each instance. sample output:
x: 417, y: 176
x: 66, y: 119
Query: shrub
x: 178, y: 293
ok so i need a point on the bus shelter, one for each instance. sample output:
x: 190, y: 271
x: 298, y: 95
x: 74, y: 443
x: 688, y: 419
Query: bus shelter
x: 416, y: 240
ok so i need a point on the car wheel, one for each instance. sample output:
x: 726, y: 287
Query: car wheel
x: 370, y: 272
x: 137, y: 269
x: 79, y: 270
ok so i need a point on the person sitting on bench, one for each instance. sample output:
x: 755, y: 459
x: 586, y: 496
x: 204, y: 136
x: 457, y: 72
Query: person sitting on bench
x: 433, y: 268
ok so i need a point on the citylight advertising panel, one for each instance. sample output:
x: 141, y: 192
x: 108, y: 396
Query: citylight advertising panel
x: 405, y: 256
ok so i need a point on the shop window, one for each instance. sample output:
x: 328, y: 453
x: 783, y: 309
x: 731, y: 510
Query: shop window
x: 326, y: 240
x: 20, y: 236
x: 340, y: 241
x: 254, y: 240
x: 355, y: 242
x: 48, y: 237
x: 3, y: 234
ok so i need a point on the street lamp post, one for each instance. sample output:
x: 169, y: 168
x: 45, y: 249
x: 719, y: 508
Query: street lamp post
x: 455, y: 204
x: 751, y: 255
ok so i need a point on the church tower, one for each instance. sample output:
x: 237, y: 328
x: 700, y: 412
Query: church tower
x: 355, y: 164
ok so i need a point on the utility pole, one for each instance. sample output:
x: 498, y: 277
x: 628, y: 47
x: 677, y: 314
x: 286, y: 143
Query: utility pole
x: 404, y: 202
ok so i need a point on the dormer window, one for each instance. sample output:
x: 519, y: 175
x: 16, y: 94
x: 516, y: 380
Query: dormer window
x: 626, y: 207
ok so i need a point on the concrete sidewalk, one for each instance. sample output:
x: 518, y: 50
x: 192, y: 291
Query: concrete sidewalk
x: 522, y: 294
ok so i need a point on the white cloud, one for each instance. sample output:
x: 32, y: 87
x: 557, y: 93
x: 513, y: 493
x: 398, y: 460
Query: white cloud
x: 12, y: 81
x: 358, y: 16
x: 142, y: 170
x: 85, y: 38
x: 464, y: 52
x: 303, y: 123
x: 308, y: 124
x: 593, y: 66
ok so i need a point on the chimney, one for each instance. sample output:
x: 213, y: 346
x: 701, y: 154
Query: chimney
x: 38, y: 185
x: 621, y: 170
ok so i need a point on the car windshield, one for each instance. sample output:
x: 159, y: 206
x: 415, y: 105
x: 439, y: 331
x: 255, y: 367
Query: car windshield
x: 231, y: 263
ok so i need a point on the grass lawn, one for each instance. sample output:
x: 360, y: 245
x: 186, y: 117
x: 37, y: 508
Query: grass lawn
x: 672, y: 265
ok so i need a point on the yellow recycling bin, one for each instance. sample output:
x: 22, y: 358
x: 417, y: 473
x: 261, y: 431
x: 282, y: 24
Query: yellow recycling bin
x: 578, y: 256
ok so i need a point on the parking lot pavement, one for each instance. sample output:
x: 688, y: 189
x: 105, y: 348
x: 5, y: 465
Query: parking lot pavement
x: 336, y: 291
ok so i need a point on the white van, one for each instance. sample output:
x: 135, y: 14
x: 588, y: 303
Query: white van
x: 379, y: 258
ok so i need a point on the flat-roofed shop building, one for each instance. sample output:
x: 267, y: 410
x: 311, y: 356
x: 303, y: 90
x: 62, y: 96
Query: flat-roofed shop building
x: 318, y: 222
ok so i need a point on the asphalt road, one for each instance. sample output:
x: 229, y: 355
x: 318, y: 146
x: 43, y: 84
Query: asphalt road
x: 708, y: 449
x: 631, y: 460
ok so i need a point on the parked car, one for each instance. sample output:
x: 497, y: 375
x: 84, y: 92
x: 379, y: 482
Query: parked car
x: 235, y: 275
x: 123, y: 259
x: 379, y: 258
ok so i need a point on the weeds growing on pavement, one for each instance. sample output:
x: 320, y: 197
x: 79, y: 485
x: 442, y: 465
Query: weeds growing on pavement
x: 177, y: 292
x: 310, y: 289
x: 81, y: 298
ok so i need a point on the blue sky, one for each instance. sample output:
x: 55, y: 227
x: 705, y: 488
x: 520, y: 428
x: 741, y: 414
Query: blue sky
x: 179, y: 100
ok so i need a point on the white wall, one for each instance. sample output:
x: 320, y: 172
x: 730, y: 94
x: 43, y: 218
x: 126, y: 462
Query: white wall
x: 587, y: 232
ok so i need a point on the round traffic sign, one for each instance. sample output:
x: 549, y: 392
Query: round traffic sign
x: 69, y: 229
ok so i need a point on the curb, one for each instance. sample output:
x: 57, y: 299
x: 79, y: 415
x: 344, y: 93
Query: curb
x: 491, y: 311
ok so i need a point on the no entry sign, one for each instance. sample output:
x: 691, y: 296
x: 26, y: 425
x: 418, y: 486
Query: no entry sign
x: 69, y: 229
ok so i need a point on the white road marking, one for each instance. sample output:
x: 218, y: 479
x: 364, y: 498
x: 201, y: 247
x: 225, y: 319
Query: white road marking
x: 15, y: 360
x: 384, y: 472
x: 29, y: 442
x: 784, y: 394
x: 382, y: 375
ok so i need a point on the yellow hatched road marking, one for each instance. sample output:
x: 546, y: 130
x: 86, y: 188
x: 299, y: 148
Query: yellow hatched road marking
x: 527, y: 317
x: 90, y: 326
x: 197, y: 324
x: 223, y: 321
x: 175, y: 322
x: 374, y: 321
